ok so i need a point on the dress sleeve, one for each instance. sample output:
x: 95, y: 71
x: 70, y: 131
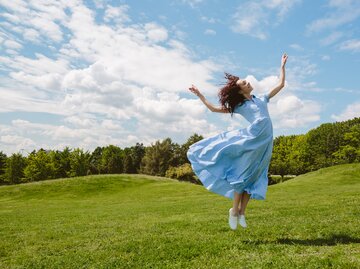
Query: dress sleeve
x: 266, y: 97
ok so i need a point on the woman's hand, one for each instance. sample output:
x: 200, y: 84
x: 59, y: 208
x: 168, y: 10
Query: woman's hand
x: 195, y: 90
x: 283, y: 60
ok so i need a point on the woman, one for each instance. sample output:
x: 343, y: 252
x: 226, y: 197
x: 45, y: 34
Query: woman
x: 235, y: 164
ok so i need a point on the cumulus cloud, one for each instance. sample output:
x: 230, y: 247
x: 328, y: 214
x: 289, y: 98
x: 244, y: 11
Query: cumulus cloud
x: 116, y: 82
x: 117, y: 14
x: 291, y: 112
x: 340, y: 13
x: 192, y: 3
x: 352, y: 45
x: 210, y: 32
x: 253, y: 17
x: 296, y: 47
x: 351, y: 111
x: 286, y: 109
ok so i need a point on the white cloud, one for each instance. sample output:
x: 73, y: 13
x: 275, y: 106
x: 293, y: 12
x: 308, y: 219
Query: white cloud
x: 117, y: 14
x: 210, y: 32
x: 340, y: 13
x: 296, y: 47
x: 208, y: 19
x: 292, y: 112
x: 12, y: 44
x: 351, y: 111
x: 352, y: 45
x: 192, y: 3
x: 111, y: 84
x: 155, y: 32
x: 254, y: 17
x: 286, y: 109
x: 332, y: 38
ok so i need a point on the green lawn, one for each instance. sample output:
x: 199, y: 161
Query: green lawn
x: 137, y: 221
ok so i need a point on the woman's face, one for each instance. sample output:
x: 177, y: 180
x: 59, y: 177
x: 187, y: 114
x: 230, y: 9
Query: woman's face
x: 245, y: 86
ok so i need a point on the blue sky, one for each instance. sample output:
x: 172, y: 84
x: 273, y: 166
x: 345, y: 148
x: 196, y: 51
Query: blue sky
x: 92, y: 73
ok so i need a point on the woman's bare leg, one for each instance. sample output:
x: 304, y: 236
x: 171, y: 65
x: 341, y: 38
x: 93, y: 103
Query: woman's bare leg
x: 237, y: 199
x: 245, y: 197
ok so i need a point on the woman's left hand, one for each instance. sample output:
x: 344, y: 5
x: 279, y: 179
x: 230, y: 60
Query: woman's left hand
x: 284, y: 59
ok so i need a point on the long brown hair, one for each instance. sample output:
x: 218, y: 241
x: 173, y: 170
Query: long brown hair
x: 229, y: 96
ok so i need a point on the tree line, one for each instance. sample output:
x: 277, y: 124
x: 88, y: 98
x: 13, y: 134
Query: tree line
x: 327, y: 145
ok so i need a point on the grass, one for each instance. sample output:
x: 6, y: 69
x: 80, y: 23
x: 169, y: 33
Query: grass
x: 137, y: 221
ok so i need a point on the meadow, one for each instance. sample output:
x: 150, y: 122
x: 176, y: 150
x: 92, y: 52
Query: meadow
x: 138, y: 221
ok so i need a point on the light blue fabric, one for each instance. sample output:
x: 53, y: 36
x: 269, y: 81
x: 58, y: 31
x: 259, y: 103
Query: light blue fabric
x: 237, y: 160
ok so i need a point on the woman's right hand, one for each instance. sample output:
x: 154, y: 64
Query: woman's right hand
x: 195, y: 90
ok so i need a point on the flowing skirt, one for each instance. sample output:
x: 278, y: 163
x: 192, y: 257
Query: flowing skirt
x: 235, y: 160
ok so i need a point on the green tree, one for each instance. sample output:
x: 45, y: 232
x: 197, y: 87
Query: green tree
x: 280, y: 160
x: 39, y: 167
x: 79, y: 163
x: 157, y: 158
x: 61, y: 162
x: 95, y: 161
x: 350, y: 152
x: 128, y: 162
x: 137, y: 153
x: 298, y: 155
x: 14, y: 169
x: 185, y: 147
x: 183, y: 173
x: 112, y: 160
x: 3, y: 158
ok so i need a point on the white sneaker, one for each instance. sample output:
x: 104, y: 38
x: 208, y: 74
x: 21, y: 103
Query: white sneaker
x: 233, y: 220
x: 242, y: 221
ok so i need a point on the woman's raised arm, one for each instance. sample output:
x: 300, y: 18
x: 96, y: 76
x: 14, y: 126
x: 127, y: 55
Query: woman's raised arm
x: 210, y: 106
x: 282, y: 77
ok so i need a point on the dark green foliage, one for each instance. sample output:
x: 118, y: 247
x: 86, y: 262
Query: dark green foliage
x: 185, y: 147
x: 95, y: 161
x: 39, y: 167
x: 133, y: 157
x: 3, y: 158
x: 158, y: 158
x: 14, y: 170
x: 112, y: 159
x: 350, y: 152
x: 79, y: 163
x: 183, y: 173
x: 61, y: 162
x: 326, y: 145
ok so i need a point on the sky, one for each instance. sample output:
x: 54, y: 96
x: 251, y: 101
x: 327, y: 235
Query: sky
x: 97, y: 72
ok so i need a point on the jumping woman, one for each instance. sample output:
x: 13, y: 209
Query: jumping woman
x: 235, y: 163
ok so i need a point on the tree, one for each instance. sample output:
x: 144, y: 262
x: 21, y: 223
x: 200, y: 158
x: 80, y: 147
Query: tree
x: 185, y: 147
x: 137, y: 153
x: 79, y: 163
x: 182, y: 173
x: 39, y: 167
x: 14, y: 170
x: 350, y: 152
x: 95, y: 161
x: 3, y: 158
x: 112, y: 160
x: 279, y: 164
x: 61, y: 162
x: 157, y: 158
x: 129, y: 166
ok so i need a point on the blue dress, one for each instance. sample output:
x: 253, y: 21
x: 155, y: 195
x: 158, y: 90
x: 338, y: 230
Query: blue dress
x: 237, y: 160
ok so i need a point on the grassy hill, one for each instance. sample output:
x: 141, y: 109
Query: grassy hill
x: 137, y: 221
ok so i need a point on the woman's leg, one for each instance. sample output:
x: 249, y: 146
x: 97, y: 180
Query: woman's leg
x: 244, y: 201
x: 237, y: 199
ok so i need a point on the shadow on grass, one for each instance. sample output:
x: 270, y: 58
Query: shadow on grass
x: 333, y: 240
